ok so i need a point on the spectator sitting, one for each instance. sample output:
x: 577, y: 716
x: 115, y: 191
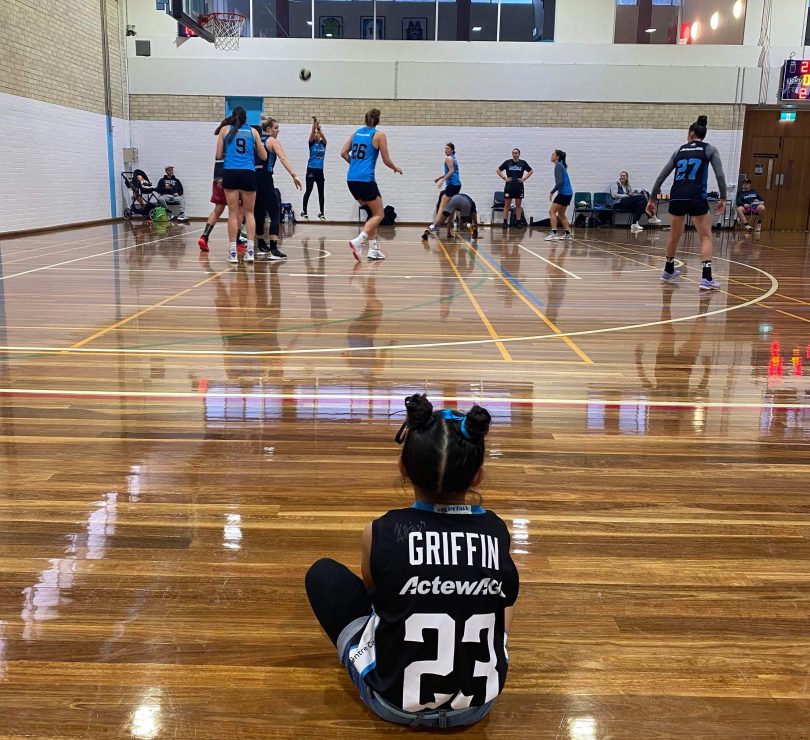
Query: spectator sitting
x: 627, y: 200
x: 172, y: 191
x: 749, y: 203
x: 144, y: 189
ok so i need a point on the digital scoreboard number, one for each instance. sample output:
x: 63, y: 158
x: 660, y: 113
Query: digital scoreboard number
x: 796, y: 79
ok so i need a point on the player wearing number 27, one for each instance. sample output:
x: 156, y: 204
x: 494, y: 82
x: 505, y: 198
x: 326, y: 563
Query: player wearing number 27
x: 424, y: 634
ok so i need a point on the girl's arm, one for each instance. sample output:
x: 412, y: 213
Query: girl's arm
x: 668, y: 167
x: 279, y: 150
x: 347, y: 147
x: 323, y: 135
x: 449, y: 162
x: 382, y: 145
x: 508, y: 616
x: 558, y: 177
x: 365, y: 556
x: 528, y: 174
x: 314, y: 128
x: 221, y: 144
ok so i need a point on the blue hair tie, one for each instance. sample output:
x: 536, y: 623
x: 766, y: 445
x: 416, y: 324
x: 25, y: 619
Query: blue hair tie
x: 452, y: 415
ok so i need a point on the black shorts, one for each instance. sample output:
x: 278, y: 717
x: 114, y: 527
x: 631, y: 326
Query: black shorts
x: 365, y: 191
x: 688, y: 207
x: 451, y: 190
x: 315, y: 174
x: 562, y: 200
x: 513, y: 189
x: 239, y: 180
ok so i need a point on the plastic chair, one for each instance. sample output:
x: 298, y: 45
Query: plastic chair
x: 497, y: 204
x: 603, y: 203
x: 583, y: 203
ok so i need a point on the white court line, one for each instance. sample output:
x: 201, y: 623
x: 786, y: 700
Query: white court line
x: 325, y: 397
x: 426, y: 345
x: 86, y: 257
x: 553, y: 264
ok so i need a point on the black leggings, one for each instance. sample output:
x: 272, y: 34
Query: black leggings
x: 314, y: 175
x: 635, y: 204
x: 337, y: 596
x: 266, y: 204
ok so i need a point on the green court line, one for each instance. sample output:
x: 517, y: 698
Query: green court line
x: 314, y: 325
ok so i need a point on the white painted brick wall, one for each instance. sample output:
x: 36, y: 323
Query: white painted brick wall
x: 54, y: 164
x: 595, y: 157
x: 59, y: 176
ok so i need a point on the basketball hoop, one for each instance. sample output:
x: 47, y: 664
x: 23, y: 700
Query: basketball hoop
x: 226, y: 28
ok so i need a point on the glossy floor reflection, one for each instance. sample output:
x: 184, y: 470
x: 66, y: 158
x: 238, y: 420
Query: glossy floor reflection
x: 180, y: 438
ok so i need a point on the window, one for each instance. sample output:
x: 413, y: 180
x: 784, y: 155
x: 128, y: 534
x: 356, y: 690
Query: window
x: 407, y: 20
x: 679, y: 22
x: 524, y: 20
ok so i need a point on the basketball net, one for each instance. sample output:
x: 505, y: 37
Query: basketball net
x: 226, y: 28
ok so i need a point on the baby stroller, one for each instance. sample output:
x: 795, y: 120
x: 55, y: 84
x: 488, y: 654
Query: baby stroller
x: 143, y: 202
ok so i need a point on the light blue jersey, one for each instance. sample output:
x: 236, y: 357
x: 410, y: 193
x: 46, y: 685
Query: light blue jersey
x: 240, y: 150
x: 317, y: 152
x: 454, y: 179
x: 561, y: 176
x: 364, y: 156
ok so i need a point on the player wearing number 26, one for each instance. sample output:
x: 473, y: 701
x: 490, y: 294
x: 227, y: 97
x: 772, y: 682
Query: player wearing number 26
x: 424, y: 634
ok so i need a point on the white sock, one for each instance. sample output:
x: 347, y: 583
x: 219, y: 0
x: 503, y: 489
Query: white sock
x: 372, y: 244
x: 232, y: 246
x: 250, y: 244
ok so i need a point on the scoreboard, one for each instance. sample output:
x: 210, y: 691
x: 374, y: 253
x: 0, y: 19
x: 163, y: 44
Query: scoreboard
x: 796, y: 79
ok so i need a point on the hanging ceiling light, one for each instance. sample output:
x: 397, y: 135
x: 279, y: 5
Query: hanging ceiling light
x: 737, y: 10
x: 714, y: 21
x: 694, y: 32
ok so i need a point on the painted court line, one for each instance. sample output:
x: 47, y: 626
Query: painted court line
x: 471, y: 342
x: 143, y: 311
x: 490, y: 329
x: 531, y: 302
x: 372, y: 397
x: 86, y: 257
x: 553, y: 264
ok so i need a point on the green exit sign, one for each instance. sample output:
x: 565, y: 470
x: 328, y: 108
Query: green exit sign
x: 787, y: 115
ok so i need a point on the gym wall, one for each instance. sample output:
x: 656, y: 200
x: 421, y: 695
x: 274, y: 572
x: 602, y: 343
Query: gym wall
x: 53, y: 140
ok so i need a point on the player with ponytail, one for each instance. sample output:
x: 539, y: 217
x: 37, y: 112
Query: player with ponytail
x: 688, y: 196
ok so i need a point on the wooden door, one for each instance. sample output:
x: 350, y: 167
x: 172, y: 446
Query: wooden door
x: 763, y: 169
x: 794, y: 185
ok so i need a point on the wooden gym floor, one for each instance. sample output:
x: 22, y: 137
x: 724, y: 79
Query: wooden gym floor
x: 180, y: 439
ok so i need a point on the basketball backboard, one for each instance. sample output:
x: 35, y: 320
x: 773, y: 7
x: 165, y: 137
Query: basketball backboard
x: 187, y: 13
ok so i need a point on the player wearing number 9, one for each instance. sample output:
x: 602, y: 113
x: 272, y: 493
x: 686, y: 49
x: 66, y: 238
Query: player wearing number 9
x: 237, y: 144
x: 423, y: 635
x: 688, y: 196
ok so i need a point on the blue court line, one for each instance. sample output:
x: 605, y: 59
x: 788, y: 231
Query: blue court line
x: 111, y: 165
x: 508, y: 275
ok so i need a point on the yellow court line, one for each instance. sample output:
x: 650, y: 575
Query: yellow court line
x: 120, y: 323
x: 492, y: 333
x: 548, y: 322
x: 762, y: 304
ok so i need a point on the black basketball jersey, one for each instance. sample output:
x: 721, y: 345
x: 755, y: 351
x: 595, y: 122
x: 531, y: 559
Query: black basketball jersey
x: 443, y: 577
x: 515, y: 170
x: 691, y: 172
